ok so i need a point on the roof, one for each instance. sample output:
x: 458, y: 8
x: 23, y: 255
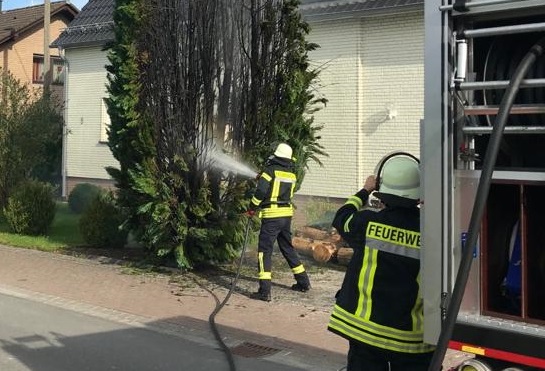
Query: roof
x: 335, y: 9
x: 94, y: 25
x: 17, y: 21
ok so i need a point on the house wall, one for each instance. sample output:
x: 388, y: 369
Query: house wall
x: 393, y: 79
x: 87, y: 156
x: 338, y: 59
x: 371, y: 67
x: 17, y: 57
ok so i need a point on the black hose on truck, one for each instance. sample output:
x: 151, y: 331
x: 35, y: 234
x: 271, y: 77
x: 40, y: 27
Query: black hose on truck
x: 480, y: 201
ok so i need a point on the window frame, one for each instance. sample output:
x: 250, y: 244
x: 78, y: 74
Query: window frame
x: 57, y: 76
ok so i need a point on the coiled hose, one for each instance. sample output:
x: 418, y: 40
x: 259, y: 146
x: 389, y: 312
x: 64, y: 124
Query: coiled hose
x: 212, y: 318
x: 480, y: 201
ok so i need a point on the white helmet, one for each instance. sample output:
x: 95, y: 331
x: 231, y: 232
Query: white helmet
x: 283, y: 150
x: 400, y: 177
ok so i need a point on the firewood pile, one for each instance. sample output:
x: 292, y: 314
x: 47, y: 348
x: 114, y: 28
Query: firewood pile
x: 322, y: 245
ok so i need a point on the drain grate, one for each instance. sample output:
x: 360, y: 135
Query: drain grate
x: 251, y: 350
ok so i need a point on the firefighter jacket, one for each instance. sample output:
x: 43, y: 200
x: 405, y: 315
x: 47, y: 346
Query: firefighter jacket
x: 379, y: 303
x: 275, y: 188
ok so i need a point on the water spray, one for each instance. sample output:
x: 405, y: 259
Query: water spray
x: 224, y: 162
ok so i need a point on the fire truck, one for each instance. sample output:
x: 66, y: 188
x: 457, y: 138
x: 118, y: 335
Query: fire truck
x: 483, y: 182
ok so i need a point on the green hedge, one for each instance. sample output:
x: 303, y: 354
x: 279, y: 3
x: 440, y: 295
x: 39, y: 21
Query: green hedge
x: 82, y: 195
x: 30, y: 208
x: 100, y: 223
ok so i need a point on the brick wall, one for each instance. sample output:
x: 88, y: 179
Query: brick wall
x: 73, y: 181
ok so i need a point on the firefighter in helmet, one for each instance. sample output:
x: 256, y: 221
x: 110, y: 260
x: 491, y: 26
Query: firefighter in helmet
x: 273, y: 195
x: 378, y: 308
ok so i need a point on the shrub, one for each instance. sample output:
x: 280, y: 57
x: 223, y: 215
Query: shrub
x: 82, y: 195
x: 320, y: 212
x: 30, y: 208
x: 100, y: 222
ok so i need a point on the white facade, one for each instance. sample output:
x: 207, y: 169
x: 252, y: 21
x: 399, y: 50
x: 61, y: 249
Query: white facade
x: 373, y: 76
x: 87, y: 152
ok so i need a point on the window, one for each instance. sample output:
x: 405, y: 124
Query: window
x: 57, y: 70
x: 104, y: 121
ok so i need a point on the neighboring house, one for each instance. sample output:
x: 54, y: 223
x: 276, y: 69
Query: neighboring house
x: 22, y: 43
x: 371, y: 55
x: 86, y: 151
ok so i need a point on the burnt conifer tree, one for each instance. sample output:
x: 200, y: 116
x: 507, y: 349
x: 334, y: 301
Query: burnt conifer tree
x: 192, y: 77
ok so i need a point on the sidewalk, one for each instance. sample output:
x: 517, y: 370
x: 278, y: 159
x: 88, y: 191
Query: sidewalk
x: 296, y: 330
x: 108, y: 290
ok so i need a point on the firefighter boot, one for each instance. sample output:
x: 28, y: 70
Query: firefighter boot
x: 264, y: 292
x: 303, y: 282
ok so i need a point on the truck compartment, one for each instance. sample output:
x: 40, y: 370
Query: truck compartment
x: 513, y: 253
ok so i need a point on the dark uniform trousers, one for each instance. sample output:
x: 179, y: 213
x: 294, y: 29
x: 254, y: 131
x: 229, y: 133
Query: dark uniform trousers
x: 362, y: 357
x: 277, y: 229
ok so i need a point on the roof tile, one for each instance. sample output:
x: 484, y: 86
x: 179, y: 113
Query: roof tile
x: 16, y: 21
x: 92, y: 26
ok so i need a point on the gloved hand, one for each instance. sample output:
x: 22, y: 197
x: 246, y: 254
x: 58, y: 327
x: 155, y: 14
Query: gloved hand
x: 250, y: 212
x: 258, y: 176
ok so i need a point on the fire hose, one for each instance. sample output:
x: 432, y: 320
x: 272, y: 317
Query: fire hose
x: 212, y: 318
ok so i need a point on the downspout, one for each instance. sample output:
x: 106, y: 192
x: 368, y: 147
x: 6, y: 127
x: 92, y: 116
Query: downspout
x: 64, y: 124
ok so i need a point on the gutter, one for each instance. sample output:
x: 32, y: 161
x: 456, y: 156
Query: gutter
x: 332, y: 15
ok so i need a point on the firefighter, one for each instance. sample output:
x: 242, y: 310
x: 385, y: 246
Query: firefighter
x: 273, y: 195
x: 378, y: 308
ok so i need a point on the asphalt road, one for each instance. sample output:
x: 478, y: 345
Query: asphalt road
x: 39, y: 337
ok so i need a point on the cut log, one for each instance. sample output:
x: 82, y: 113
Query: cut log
x: 343, y: 255
x: 312, y: 233
x: 334, y: 238
x: 303, y: 245
x: 323, y: 252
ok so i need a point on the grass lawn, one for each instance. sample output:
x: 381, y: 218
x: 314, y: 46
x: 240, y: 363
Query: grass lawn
x: 64, y: 233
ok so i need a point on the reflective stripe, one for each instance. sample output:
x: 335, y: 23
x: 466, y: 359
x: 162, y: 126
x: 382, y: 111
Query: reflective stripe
x: 347, y: 223
x: 417, y: 314
x: 371, y: 327
x: 266, y: 176
x: 276, y: 212
x: 377, y: 340
x: 365, y: 284
x: 393, y: 240
x: 262, y: 274
x: 281, y: 177
x: 256, y: 201
x: 298, y: 269
x: 284, y: 176
x: 355, y: 201
x: 275, y: 191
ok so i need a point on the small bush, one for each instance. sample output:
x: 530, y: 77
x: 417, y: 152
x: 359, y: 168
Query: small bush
x: 320, y: 212
x: 100, y: 222
x: 30, y: 208
x: 82, y: 195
